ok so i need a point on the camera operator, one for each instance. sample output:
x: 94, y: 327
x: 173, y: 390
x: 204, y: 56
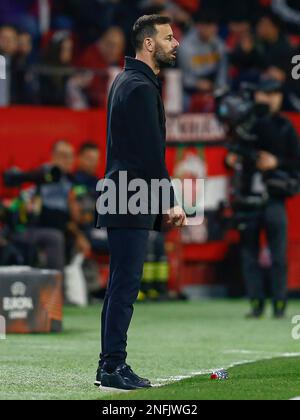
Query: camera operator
x: 54, y: 227
x: 60, y: 211
x: 277, y: 156
x: 85, y: 181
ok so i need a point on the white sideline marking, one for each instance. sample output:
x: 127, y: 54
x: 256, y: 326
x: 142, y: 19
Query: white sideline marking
x: 290, y: 355
x: 261, y: 353
x: 269, y: 356
x: 113, y: 390
x: 244, y: 352
x: 295, y: 399
x: 173, y: 379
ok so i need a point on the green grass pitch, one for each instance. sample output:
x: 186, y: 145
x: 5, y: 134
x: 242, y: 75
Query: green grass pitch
x: 167, y: 342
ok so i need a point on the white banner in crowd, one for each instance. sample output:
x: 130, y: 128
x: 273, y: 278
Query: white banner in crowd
x: 195, y: 128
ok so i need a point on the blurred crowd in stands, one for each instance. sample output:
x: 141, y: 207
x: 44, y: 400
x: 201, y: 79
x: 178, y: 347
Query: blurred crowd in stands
x: 49, y: 221
x: 59, y: 52
x: 52, y: 219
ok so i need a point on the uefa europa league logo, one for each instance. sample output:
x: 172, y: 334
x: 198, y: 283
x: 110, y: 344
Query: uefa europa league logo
x: 2, y: 68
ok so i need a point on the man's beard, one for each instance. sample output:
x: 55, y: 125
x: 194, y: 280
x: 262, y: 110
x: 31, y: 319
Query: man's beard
x: 163, y: 59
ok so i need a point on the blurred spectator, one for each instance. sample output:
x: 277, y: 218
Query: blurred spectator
x: 89, y: 18
x: 182, y: 20
x: 8, y: 49
x: 107, y: 52
x: 154, y: 284
x: 23, y: 81
x: 52, y: 232
x: 60, y: 209
x: 56, y: 198
x: 238, y: 30
x: 273, y: 46
x: 55, y: 70
x: 88, y: 167
x: 95, y: 35
x: 86, y: 180
x: 25, y: 44
x: 268, y: 52
x: 56, y: 211
x: 126, y: 13
x: 8, y: 41
x: 246, y: 60
x: 17, y: 48
x: 202, y: 58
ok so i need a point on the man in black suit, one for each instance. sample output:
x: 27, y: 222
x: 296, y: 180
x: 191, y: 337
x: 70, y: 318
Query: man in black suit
x: 136, y: 143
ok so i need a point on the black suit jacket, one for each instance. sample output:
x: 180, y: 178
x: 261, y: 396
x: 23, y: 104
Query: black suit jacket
x: 136, y: 142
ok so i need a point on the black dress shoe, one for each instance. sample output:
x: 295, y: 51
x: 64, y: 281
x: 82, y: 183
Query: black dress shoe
x: 137, y: 378
x: 98, y: 377
x: 123, y: 379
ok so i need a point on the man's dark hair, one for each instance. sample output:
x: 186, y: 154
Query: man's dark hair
x: 85, y: 147
x: 145, y: 27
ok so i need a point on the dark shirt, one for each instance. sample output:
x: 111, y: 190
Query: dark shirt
x: 55, y: 204
x: 136, y: 140
x: 87, y: 180
x: 263, y: 56
x: 85, y: 189
x: 275, y: 54
x: 276, y: 135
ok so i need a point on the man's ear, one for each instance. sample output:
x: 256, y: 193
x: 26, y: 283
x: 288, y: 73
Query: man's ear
x: 149, y: 44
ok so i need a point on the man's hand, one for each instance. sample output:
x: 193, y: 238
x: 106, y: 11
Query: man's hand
x: 176, y: 217
x: 267, y: 162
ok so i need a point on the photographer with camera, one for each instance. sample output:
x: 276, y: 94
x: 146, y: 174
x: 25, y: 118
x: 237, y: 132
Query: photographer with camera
x: 269, y: 174
x: 51, y: 208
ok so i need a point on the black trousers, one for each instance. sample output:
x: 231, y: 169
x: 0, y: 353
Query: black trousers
x: 128, y: 248
x: 273, y: 219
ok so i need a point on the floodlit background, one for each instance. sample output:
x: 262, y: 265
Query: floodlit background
x: 62, y: 56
